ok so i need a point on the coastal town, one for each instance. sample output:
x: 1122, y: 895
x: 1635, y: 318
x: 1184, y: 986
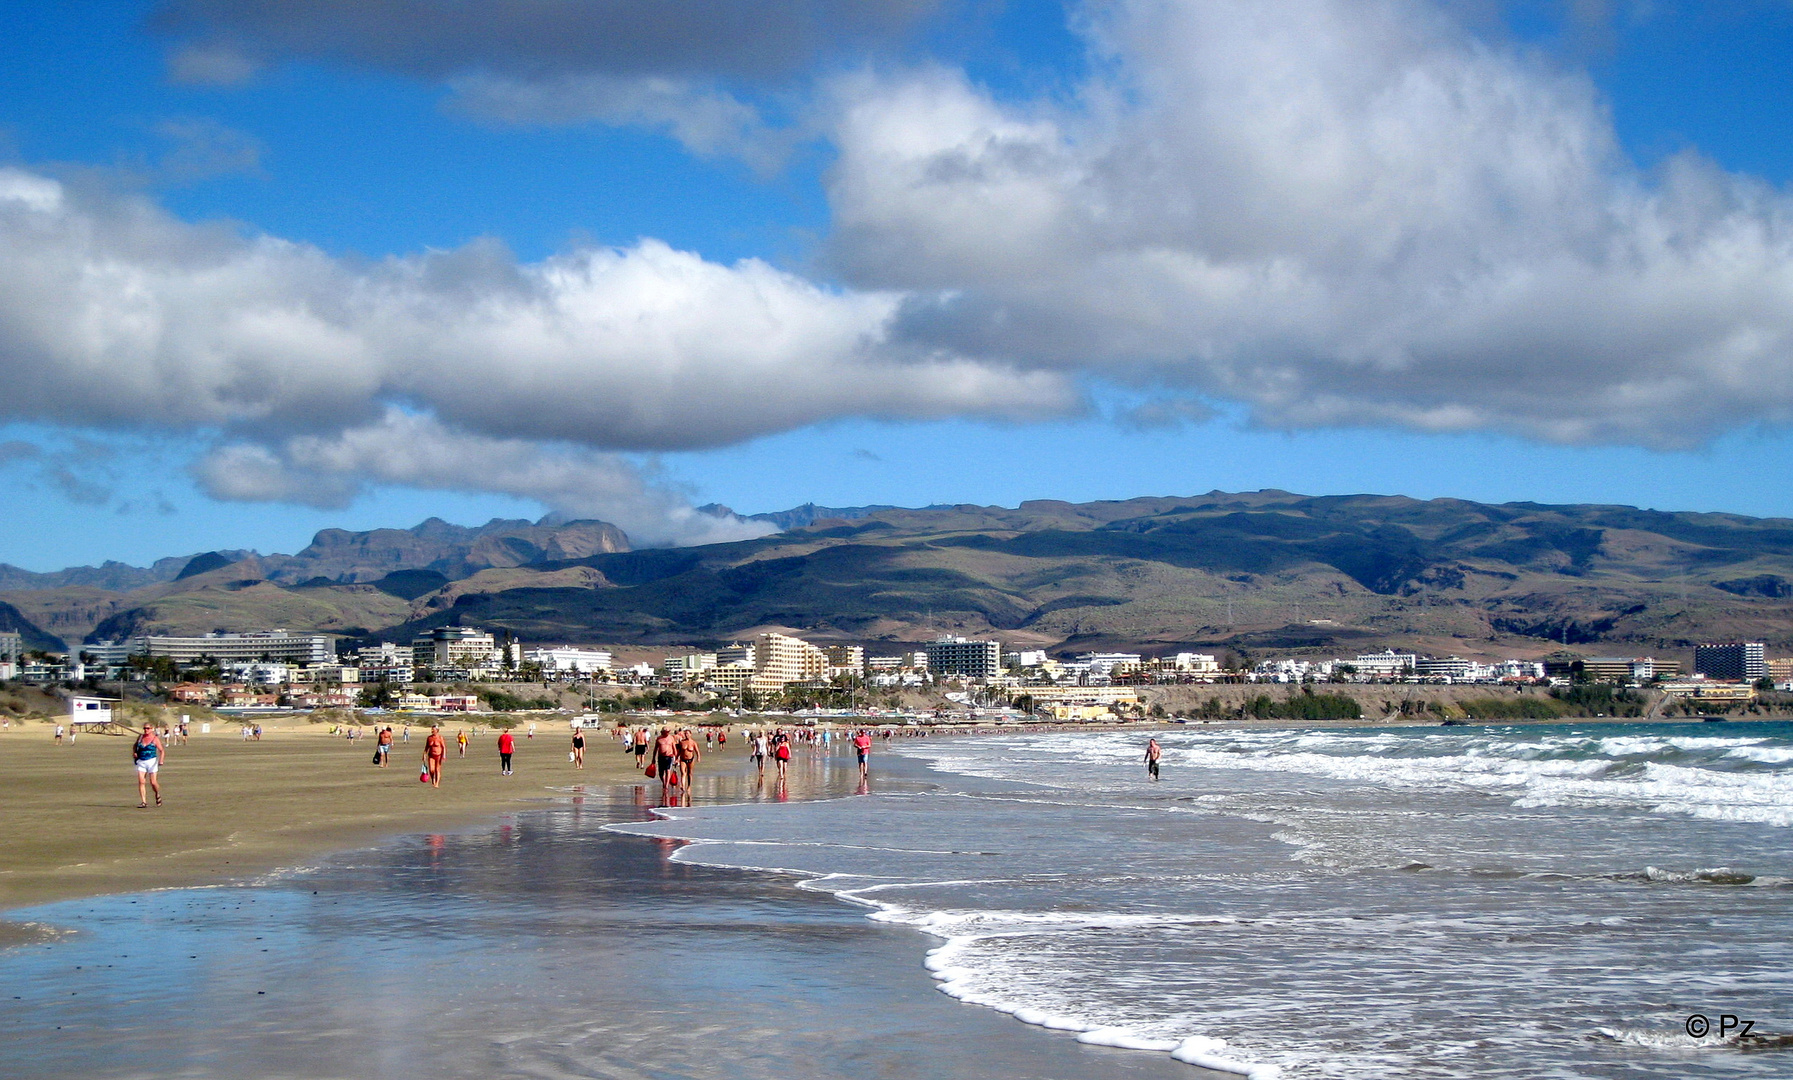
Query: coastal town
x: 458, y: 670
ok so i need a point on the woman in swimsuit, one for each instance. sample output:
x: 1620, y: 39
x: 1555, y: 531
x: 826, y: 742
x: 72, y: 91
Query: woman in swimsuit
x: 435, y: 748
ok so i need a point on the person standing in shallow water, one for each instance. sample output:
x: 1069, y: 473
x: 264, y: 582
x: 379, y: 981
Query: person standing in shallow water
x: 1153, y: 753
x: 688, y: 754
x: 862, y: 742
x: 435, y: 749
x: 507, y: 745
x: 781, y: 751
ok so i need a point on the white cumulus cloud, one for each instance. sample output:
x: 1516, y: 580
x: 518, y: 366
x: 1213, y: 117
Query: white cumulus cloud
x: 113, y: 313
x: 1337, y: 212
x: 407, y: 450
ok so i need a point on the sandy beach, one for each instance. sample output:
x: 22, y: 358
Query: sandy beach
x: 234, y: 809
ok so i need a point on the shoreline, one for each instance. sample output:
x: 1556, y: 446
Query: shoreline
x: 237, y: 810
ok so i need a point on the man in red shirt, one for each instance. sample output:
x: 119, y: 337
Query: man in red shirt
x: 862, y: 742
x: 506, y: 745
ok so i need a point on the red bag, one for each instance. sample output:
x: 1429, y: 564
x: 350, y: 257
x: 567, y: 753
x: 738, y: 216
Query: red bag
x: 423, y: 775
x: 672, y: 777
x: 651, y: 772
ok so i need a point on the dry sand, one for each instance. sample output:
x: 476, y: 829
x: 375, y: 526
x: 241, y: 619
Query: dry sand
x: 234, y: 809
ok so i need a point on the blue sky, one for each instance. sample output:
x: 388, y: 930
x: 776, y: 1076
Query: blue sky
x: 266, y: 269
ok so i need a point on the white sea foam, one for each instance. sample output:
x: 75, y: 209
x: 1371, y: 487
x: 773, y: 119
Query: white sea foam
x: 1126, y: 1039
x: 1552, y: 771
x: 961, y: 982
x: 1205, y: 1052
x: 1767, y: 755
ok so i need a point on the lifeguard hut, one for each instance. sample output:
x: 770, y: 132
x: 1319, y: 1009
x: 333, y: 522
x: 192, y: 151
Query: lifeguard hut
x: 93, y: 714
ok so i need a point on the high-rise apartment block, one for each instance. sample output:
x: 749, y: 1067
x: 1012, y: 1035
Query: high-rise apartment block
x: 961, y: 656
x: 1742, y: 660
x: 780, y: 660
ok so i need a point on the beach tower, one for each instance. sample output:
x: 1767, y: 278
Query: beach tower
x: 90, y: 714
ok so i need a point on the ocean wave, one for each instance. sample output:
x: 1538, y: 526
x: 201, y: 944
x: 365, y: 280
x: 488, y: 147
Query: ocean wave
x: 959, y: 981
x: 1715, y: 778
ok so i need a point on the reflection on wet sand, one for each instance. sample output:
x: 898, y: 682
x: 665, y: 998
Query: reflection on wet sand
x: 537, y: 946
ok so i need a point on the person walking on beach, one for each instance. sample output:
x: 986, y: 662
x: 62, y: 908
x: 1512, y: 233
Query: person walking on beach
x: 578, y: 748
x: 461, y: 741
x: 146, y: 752
x: 862, y: 742
x: 1153, y: 753
x: 688, y: 754
x: 781, y: 750
x: 506, y: 746
x: 756, y: 745
x: 641, y: 741
x: 58, y: 734
x: 383, y: 747
x: 663, y: 755
x: 435, y: 749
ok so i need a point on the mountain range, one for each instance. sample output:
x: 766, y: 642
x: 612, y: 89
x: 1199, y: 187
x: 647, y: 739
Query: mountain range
x: 1255, y: 572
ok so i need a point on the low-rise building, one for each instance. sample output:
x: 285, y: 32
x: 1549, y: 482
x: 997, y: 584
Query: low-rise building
x: 194, y: 693
x: 346, y: 698
x: 243, y: 697
x: 1108, y: 697
x: 1714, y: 690
x: 1107, y: 665
x: 569, y: 660
x: 261, y: 673
x: 1385, y: 665
x: 455, y: 647
x: 272, y: 645
x: 1454, y: 668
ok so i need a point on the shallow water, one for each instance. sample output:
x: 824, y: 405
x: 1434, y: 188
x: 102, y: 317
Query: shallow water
x: 1527, y: 901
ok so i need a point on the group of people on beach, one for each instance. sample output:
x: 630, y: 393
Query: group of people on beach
x: 674, y: 752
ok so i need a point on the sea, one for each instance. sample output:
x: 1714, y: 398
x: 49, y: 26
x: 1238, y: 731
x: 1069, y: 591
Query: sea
x: 1539, y: 901
x: 1528, y: 901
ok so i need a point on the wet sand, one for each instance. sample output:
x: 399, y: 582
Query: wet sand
x: 532, y: 944
x: 234, y: 809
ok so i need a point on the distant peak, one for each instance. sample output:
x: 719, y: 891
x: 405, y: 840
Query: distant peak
x: 201, y: 564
